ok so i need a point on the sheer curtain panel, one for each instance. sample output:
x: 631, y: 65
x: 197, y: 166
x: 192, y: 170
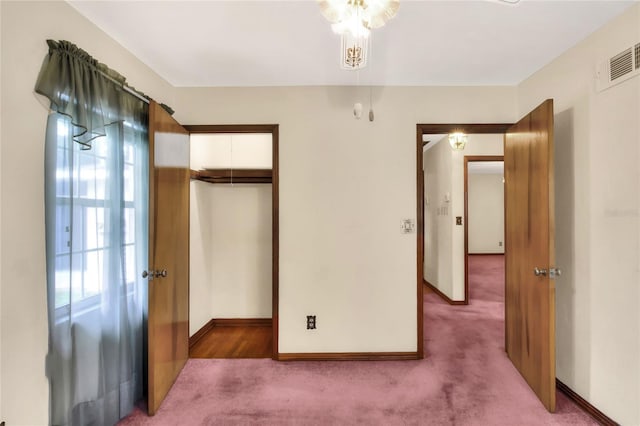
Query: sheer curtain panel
x: 96, y: 196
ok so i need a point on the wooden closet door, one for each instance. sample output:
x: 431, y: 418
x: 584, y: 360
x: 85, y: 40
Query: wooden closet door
x: 168, y: 310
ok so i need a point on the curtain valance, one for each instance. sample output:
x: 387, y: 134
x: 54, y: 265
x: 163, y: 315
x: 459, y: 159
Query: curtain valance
x: 87, y: 91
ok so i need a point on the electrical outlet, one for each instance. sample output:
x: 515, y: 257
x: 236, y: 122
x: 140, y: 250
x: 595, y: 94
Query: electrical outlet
x: 311, y: 322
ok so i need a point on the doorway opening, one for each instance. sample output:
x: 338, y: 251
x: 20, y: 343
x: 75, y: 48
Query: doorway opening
x: 234, y: 241
x: 424, y: 134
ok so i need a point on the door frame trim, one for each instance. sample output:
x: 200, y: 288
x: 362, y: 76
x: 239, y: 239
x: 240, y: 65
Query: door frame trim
x: 467, y: 159
x: 434, y: 129
x: 275, y: 205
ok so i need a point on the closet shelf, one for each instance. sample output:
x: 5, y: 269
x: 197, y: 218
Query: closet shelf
x: 235, y: 175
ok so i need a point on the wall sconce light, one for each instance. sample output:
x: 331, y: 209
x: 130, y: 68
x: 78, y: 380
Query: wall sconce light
x: 457, y: 140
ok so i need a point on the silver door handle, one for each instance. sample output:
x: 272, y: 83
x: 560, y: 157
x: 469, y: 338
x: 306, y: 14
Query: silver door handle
x: 154, y: 274
x: 553, y: 272
x: 539, y: 272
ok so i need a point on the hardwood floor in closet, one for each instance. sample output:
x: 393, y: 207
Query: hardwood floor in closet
x: 234, y: 342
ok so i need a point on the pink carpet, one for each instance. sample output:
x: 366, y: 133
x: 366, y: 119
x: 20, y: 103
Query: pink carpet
x: 465, y: 379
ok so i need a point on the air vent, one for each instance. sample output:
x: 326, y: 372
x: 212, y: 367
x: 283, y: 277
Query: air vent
x: 621, y: 64
x: 619, y: 68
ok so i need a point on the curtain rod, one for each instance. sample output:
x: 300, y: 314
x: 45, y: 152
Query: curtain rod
x: 124, y: 87
x: 134, y: 93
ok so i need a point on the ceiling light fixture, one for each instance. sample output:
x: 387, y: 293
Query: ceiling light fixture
x: 354, y: 20
x: 457, y: 140
x: 358, y: 17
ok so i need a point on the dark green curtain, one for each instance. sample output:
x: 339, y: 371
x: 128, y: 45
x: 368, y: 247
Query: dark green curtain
x: 86, y: 91
x: 96, y: 213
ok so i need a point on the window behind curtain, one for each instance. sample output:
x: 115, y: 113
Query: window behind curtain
x: 84, y: 212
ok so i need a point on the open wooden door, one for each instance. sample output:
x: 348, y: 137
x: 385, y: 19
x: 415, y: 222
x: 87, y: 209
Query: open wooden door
x: 168, y: 310
x: 530, y: 252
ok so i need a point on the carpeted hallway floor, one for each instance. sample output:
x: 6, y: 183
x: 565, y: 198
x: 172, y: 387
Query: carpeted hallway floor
x: 465, y: 379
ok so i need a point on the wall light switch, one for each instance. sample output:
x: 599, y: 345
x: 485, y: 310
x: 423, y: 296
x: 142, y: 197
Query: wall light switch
x: 408, y: 226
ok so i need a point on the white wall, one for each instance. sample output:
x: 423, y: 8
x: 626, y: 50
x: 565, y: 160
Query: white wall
x: 230, y: 252
x: 345, y: 186
x: 447, y: 265
x: 25, y: 27
x: 597, y: 152
x: 486, y: 213
x: 438, y: 224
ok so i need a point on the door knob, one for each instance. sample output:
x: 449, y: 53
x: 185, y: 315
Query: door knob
x: 554, y: 272
x: 539, y: 272
x: 154, y: 274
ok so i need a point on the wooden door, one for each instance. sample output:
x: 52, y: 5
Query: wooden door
x: 168, y: 310
x: 530, y: 234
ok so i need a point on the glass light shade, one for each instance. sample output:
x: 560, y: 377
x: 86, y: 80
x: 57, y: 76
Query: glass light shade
x: 352, y: 27
x: 354, y: 52
x: 357, y: 16
x: 457, y: 140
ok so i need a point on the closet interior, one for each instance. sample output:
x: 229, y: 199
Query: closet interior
x: 231, y: 245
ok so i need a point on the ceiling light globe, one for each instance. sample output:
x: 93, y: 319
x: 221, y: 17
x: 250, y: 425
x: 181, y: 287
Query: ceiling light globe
x: 458, y: 140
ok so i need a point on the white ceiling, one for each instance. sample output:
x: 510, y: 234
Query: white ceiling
x: 432, y: 140
x: 288, y: 43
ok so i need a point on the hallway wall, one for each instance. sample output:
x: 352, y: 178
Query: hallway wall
x: 438, y: 221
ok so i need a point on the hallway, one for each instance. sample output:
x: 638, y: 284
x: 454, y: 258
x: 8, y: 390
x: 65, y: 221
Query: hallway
x: 465, y: 379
